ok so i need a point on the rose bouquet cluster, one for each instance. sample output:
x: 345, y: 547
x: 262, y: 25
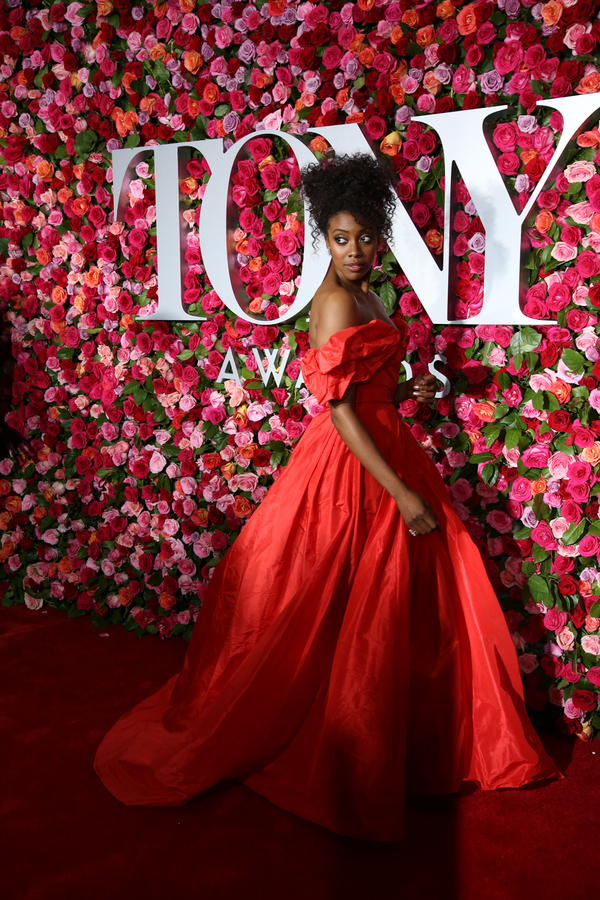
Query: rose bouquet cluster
x: 142, y: 467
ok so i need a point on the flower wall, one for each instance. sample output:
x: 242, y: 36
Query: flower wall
x: 140, y: 468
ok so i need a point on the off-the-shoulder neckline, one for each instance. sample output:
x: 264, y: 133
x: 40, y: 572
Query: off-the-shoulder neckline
x: 344, y: 331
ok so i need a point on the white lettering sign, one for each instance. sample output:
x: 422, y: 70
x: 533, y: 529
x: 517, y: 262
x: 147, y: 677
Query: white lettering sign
x: 465, y: 146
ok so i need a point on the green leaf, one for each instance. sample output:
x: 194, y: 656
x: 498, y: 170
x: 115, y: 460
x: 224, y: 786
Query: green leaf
x: 387, y: 292
x: 539, y: 554
x: 481, y: 457
x: 512, y: 438
x: 525, y: 339
x: 574, y: 532
x: 500, y: 410
x: 574, y: 361
x: 539, y: 590
x: 595, y: 609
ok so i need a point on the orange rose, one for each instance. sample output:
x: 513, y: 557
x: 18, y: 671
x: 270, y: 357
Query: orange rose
x: 356, y: 117
x: 595, y: 223
x: 425, y: 36
x: 445, y: 10
x: 248, y: 451
x: 193, y: 108
x: 105, y: 7
x: 242, y: 507
x: 411, y: 18
x: 5, y: 520
x: 539, y: 486
x: 356, y: 44
x: 59, y: 295
x: 44, y: 170
x: 473, y: 436
x: 255, y: 306
x: 485, y: 410
x: 81, y: 206
x: 589, y: 138
x: 590, y: 84
x: 188, y: 185
x: 391, y: 144
x: 551, y: 12
x: 397, y: 92
x: 366, y: 4
x: 342, y: 97
x: 228, y: 470
x: 157, y: 52
x: 192, y: 60
x: 255, y: 264
x: 211, y: 93
x: 319, y: 145
x: 431, y: 84
x: 92, y: 278
x: 561, y: 391
x: 466, y: 20
x: 125, y: 598
x: 200, y: 518
x: 4, y: 487
x: 528, y: 155
x: 367, y: 56
x: 544, y: 221
x: 276, y: 227
x: 65, y: 565
x: 39, y: 512
x: 591, y: 454
x: 435, y: 241
x: 167, y: 601
x: 42, y: 256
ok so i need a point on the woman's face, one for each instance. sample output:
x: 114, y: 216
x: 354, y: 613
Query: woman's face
x: 352, y: 247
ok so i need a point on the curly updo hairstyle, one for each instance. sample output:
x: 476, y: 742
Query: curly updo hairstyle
x: 356, y: 184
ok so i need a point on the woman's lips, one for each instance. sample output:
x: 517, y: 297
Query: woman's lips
x: 355, y: 267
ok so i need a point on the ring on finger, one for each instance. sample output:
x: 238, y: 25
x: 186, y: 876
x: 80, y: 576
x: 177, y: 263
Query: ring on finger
x: 414, y: 533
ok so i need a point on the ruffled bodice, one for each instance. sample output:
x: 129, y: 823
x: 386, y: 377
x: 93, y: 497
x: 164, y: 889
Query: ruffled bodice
x: 368, y: 355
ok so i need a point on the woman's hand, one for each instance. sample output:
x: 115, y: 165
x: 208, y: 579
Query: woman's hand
x: 416, y: 512
x: 421, y: 388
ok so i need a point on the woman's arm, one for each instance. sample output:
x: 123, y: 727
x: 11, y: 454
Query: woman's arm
x: 339, y: 310
x: 415, y: 511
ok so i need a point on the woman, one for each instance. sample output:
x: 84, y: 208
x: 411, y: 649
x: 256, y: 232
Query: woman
x: 350, y: 646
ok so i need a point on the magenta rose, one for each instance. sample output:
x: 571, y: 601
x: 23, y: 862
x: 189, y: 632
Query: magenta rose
x: 543, y: 536
x: 286, y: 242
x: 589, y: 545
x: 555, y: 620
x: 520, y: 489
x: 588, y: 264
x: 508, y: 163
x: 593, y: 676
x: 571, y: 511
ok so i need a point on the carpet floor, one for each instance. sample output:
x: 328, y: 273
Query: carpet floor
x: 63, y: 836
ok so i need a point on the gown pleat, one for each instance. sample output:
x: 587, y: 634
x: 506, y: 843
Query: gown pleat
x: 338, y: 662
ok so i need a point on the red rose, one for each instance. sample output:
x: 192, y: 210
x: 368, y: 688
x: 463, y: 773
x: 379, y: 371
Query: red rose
x: 587, y: 700
x: 567, y: 585
x: 559, y: 420
x: 139, y: 468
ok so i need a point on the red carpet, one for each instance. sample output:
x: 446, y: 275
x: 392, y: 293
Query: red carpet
x: 64, y: 837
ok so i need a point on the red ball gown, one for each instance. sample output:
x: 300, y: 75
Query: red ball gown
x: 337, y: 661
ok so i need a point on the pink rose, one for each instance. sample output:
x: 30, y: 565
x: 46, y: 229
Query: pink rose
x: 555, y: 620
x: 572, y: 711
x: 589, y: 545
x: 590, y: 643
x: 566, y: 639
x: 499, y: 520
x: 157, y: 462
x: 521, y: 489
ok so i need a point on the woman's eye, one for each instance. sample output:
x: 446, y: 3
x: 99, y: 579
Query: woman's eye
x: 366, y: 238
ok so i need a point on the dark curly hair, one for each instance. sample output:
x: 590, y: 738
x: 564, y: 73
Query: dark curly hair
x: 356, y: 184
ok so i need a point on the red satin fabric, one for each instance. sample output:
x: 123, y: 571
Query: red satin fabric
x: 338, y: 662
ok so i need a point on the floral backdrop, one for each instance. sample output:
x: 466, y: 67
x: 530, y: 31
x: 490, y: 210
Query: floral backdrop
x: 138, y: 468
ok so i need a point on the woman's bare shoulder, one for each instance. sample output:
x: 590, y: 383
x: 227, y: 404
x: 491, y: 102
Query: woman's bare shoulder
x: 333, y: 309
